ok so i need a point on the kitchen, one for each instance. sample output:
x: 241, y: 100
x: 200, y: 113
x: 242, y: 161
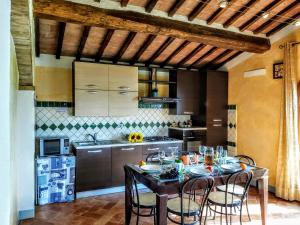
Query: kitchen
x: 114, y: 82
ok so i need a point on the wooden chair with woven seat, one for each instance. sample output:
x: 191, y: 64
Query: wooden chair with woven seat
x: 239, y: 190
x: 188, y: 205
x: 138, y: 200
x: 236, y: 182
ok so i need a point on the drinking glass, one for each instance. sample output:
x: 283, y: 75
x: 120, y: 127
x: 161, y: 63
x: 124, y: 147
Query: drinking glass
x: 202, y: 150
x: 209, y: 156
x: 161, y: 156
x: 219, y: 152
x: 225, y: 154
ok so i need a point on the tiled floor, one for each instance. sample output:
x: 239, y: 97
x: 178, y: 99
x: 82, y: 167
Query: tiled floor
x: 109, y: 210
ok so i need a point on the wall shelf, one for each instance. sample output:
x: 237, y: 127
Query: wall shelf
x: 156, y: 81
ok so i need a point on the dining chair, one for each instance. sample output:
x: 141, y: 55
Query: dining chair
x: 239, y: 190
x: 139, y: 200
x: 189, y: 206
x: 232, y: 198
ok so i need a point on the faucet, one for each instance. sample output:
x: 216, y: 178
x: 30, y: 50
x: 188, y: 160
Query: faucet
x: 94, y: 137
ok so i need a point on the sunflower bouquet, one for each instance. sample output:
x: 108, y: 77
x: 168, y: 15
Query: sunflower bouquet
x: 135, y: 137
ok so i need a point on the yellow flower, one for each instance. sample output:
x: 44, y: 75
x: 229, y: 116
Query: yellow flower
x: 132, y: 137
x: 135, y: 137
x: 139, y: 137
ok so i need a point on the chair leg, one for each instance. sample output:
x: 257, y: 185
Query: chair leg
x: 206, y: 214
x: 221, y: 215
x: 247, y: 208
x: 154, y: 216
x: 215, y: 212
x: 226, y: 215
x: 138, y: 216
x: 230, y: 215
x: 241, y: 215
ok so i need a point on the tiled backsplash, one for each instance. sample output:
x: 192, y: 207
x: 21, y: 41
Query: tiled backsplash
x: 56, y: 120
x: 232, y: 129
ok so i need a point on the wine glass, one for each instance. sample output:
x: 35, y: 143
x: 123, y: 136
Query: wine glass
x: 162, y: 156
x: 202, y: 150
x: 219, y: 151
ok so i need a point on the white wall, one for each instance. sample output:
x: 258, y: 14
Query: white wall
x: 8, y: 84
x: 25, y: 153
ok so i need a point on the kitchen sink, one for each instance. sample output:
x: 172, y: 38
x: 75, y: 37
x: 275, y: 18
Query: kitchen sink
x: 86, y: 143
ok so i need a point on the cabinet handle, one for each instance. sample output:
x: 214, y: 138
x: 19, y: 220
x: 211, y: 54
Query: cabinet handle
x: 91, y: 85
x: 96, y: 151
x: 124, y: 87
x: 92, y: 92
x: 127, y: 149
x: 173, y: 148
x: 217, y: 120
x: 188, y: 113
x: 153, y: 149
x: 217, y: 125
x: 123, y: 93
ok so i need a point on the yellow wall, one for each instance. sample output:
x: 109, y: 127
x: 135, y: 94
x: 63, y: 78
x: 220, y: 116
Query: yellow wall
x: 258, y: 105
x: 53, y: 84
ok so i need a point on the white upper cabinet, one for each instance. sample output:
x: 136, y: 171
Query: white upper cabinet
x: 123, y: 103
x: 123, y: 78
x: 91, y: 76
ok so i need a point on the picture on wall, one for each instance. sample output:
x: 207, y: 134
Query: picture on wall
x: 278, y: 70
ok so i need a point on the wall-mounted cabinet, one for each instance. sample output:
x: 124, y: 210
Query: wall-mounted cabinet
x: 104, y: 90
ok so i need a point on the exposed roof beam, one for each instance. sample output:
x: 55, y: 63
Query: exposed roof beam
x: 160, y: 50
x: 275, y: 17
x: 142, y: 49
x: 259, y: 15
x: 150, y: 5
x: 143, y: 23
x: 104, y: 44
x: 219, y: 12
x: 208, y: 53
x: 217, y: 58
x: 83, y: 39
x: 60, y: 39
x: 124, y: 47
x: 240, y: 13
x: 177, y: 50
x: 175, y: 7
x: 124, y: 3
x: 198, y: 9
x: 227, y: 60
x: 37, y: 36
x: 190, y: 55
x: 283, y: 25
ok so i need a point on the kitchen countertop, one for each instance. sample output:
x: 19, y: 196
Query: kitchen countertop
x: 120, y: 143
x: 188, y: 128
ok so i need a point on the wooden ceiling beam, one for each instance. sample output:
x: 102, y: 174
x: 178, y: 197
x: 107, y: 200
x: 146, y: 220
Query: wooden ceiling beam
x: 160, y: 50
x: 142, y: 23
x: 240, y: 13
x: 142, y: 49
x: 150, y: 5
x: 219, y: 12
x: 60, y: 38
x: 104, y: 44
x: 259, y: 15
x: 205, y: 55
x: 124, y: 3
x: 83, y: 39
x: 217, y: 58
x: 173, y: 54
x: 283, y: 25
x: 175, y: 7
x: 227, y: 60
x: 37, y: 36
x: 197, y: 10
x: 124, y: 47
x: 190, y: 55
x: 275, y: 17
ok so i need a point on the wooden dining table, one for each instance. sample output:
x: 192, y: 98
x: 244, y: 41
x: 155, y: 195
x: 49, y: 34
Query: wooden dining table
x: 164, y: 189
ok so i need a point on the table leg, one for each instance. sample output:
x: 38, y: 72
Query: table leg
x: 161, y: 209
x: 263, y: 198
x: 128, y: 205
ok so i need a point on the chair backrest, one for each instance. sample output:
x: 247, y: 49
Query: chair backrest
x: 238, y: 182
x: 131, y: 186
x: 196, y: 189
x: 246, y: 159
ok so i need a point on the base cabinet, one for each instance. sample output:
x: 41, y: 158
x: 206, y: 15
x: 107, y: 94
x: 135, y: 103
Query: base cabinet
x: 93, y: 169
x: 120, y: 157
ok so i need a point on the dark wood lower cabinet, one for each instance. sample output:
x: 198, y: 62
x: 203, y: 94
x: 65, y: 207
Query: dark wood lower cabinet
x: 120, y: 157
x: 93, y: 169
x: 216, y: 134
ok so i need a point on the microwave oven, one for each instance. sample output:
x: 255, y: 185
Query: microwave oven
x: 47, y: 146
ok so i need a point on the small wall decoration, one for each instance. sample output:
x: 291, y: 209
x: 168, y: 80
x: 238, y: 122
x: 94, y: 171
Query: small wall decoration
x: 278, y: 70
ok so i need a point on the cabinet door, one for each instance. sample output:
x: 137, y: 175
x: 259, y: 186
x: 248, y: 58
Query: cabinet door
x: 123, y: 78
x: 123, y: 103
x: 91, y: 103
x: 91, y: 75
x: 216, y: 134
x: 217, y: 97
x: 93, y: 169
x: 120, y: 157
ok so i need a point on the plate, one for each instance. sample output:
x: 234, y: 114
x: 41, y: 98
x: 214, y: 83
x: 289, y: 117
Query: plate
x: 151, y: 168
x: 231, y: 160
x: 231, y: 167
x: 199, y: 171
x: 168, y: 159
